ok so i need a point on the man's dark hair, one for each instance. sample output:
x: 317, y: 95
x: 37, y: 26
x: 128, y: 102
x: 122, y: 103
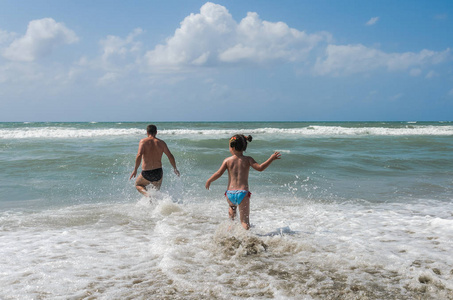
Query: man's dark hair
x: 152, y: 130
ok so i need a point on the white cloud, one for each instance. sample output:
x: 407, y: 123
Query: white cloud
x: 26, y: 75
x: 403, y: 61
x: 350, y: 59
x: 41, y: 37
x: 6, y: 36
x: 120, y: 57
x: 115, y: 46
x: 108, y: 78
x: 197, y: 40
x: 213, y: 37
x: 261, y: 41
x: 372, y: 21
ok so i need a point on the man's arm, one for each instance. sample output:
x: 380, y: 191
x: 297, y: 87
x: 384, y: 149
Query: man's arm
x: 171, y: 158
x: 138, y: 160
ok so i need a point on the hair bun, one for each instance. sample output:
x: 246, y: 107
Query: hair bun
x: 249, y: 138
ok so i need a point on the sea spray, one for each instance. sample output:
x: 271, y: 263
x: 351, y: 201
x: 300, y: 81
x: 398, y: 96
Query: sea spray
x: 353, y: 210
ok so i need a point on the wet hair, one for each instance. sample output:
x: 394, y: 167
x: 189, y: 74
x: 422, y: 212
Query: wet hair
x: 239, y: 142
x: 152, y: 130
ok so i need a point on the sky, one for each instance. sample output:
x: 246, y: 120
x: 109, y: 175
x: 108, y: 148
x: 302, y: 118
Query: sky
x: 229, y: 60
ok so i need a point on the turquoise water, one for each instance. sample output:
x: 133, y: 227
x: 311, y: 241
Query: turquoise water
x: 46, y: 164
x: 365, y: 208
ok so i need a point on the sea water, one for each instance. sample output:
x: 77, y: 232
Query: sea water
x: 360, y: 210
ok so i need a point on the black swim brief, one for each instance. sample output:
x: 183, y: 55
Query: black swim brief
x: 153, y: 175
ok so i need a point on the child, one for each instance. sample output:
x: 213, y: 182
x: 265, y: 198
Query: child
x: 238, y: 167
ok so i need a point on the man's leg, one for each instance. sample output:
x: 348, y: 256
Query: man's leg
x: 141, y: 184
x: 157, y: 184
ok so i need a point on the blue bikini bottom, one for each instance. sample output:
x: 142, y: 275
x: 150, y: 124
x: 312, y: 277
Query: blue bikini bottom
x: 236, y: 196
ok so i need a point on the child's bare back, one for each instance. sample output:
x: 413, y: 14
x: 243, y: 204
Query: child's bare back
x: 238, y: 167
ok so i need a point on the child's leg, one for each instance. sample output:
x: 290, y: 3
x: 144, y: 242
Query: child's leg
x: 232, y: 212
x: 244, y: 212
x: 232, y: 209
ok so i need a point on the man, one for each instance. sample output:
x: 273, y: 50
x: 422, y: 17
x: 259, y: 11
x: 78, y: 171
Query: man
x: 150, y: 152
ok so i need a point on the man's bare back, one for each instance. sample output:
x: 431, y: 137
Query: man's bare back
x: 151, y: 149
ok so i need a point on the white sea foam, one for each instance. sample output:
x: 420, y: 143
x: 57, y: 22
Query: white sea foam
x: 313, y: 131
x: 283, y: 151
x: 383, y: 131
x: 192, y: 251
x: 56, y: 132
x: 317, y: 130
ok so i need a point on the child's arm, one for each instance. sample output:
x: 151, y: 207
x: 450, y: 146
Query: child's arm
x: 264, y: 165
x: 217, y: 174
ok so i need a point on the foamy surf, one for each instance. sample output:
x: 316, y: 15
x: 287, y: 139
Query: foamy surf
x: 65, y: 133
x: 193, y: 251
x: 325, y: 130
x: 349, y: 212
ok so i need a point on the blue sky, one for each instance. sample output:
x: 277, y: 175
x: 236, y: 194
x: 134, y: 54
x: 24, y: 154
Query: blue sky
x: 234, y: 60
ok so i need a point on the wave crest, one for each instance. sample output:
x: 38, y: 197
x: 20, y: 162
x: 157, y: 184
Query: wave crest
x: 312, y: 131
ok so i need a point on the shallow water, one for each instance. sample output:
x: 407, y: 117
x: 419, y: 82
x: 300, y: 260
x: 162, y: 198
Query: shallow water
x: 346, y: 214
x: 190, y: 251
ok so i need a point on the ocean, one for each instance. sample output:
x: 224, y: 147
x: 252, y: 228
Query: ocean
x: 353, y: 210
